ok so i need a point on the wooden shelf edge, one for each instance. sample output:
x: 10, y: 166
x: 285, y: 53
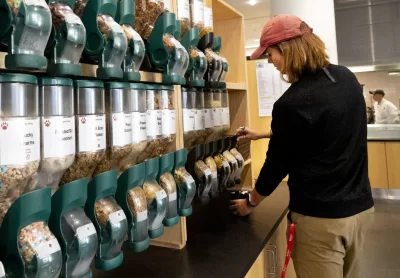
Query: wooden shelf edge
x: 247, y: 162
x: 166, y: 244
x: 236, y: 86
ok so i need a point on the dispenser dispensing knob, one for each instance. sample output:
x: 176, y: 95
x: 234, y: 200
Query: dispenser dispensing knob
x: 2, y: 272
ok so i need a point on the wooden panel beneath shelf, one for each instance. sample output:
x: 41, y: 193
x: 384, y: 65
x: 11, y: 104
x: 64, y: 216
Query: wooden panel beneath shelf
x: 238, y: 110
x: 236, y: 86
x: 222, y: 10
x: 377, y: 167
x: 232, y: 34
x: 393, y: 164
x: 174, y: 237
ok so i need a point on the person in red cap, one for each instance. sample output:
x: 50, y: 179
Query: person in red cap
x: 319, y: 139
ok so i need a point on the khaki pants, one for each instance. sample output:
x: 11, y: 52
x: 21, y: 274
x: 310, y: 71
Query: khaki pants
x: 329, y: 248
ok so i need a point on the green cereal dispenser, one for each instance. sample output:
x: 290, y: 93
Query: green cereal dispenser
x: 135, y: 49
x: 166, y: 53
x: 156, y: 198
x: 168, y: 183
x: 108, y: 218
x: 106, y: 41
x: 225, y: 66
x: 131, y: 197
x: 73, y: 229
x: 28, y: 247
x: 186, y: 186
x: 214, y: 61
x: 67, y: 39
x: 197, y: 60
x: 25, y: 29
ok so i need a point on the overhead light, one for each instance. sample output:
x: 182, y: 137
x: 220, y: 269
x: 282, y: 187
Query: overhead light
x: 252, y: 2
x: 394, y: 73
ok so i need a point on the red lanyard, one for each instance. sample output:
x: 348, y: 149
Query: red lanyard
x: 289, y: 249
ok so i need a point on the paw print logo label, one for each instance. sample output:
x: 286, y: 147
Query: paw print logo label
x: 115, y: 117
x: 4, y: 126
x: 47, y: 123
x: 83, y: 120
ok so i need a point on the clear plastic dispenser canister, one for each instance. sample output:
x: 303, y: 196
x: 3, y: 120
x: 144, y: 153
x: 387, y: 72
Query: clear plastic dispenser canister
x: 167, y: 182
x: 132, y: 198
x: 239, y: 158
x: 118, y: 126
x: 90, y: 126
x: 137, y: 100
x: 183, y: 15
x: 224, y: 170
x: 108, y: 218
x: 156, y: 199
x: 67, y: 41
x: 25, y: 29
x: 19, y: 137
x: 209, y: 115
x: 217, y: 113
x: 168, y: 120
x: 199, y: 119
x: 58, y: 130
x: 186, y: 187
x: 73, y: 229
x: 28, y: 247
x: 210, y: 162
x: 189, y: 117
x: 225, y: 116
x: 233, y: 163
x: 203, y: 175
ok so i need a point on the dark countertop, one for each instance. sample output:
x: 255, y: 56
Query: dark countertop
x: 219, y: 243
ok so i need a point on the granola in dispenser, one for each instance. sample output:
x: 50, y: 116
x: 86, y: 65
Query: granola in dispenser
x: 107, y: 209
x: 155, y: 195
x: 80, y: 6
x: 137, y: 201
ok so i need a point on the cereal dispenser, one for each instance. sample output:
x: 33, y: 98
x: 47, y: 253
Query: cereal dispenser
x: 200, y: 171
x: 108, y: 218
x: 188, y: 117
x: 185, y: 65
x: 186, y: 186
x: 233, y: 164
x: 25, y: 29
x: 223, y: 168
x: 238, y: 157
x: 214, y: 61
x: 197, y: 60
x: 106, y: 41
x: 137, y: 100
x: 58, y: 143
x: 67, y: 39
x: 225, y: 66
x: 225, y: 119
x: 156, y: 199
x: 90, y: 126
x: 136, y: 51
x: 28, y: 247
x: 19, y: 137
x: 167, y: 182
x: 132, y: 198
x: 210, y: 162
x: 73, y: 229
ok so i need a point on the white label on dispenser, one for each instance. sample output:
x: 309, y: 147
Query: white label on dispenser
x: 172, y: 197
x: 168, y: 122
x: 141, y: 216
x: 85, y: 231
x: 208, y: 118
x: 153, y: 122
x: 189, y: 119
x: 199, y: 119
x: 183, y: 9
x: 207, y: 172
x: 161, y: 195
x: 58, y: 136
x: 214, y: 175
x: 121, y: 125
x: 217, y: 116
x: 198, y: 11
x: 208, y: 17
x: 138, y: 127
x: 19, y: 140
x: 92, y: 133
x: 189, y: 179
x: 116, y: 217
x: 225, y: 116
x: 45, y: 249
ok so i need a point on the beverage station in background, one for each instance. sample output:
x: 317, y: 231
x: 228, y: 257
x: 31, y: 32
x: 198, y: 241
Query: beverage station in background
x: 90, y: 164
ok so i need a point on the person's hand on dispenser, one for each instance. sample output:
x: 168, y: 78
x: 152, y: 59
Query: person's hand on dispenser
x: 240, y: 207
x: 249, y: 133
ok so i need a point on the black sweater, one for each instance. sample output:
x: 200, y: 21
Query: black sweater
x: 319, y: 138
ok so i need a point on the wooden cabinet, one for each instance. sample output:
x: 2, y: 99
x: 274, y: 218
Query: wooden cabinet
x: 393, y: 164
x: 377, y: 168
x: 269, y: 263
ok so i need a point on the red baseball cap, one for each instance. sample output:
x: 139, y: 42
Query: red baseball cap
x: 280, y: 28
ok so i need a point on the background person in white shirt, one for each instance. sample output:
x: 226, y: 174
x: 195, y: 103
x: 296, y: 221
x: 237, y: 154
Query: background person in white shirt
x: 385, y: 111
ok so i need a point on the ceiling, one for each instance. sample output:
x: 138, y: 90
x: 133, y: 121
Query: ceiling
x: 255, y: 16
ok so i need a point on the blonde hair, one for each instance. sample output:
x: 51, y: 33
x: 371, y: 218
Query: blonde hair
x: 304, y: 53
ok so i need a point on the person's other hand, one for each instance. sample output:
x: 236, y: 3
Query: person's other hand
x: 248, y: 133
x: 240, y: 207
